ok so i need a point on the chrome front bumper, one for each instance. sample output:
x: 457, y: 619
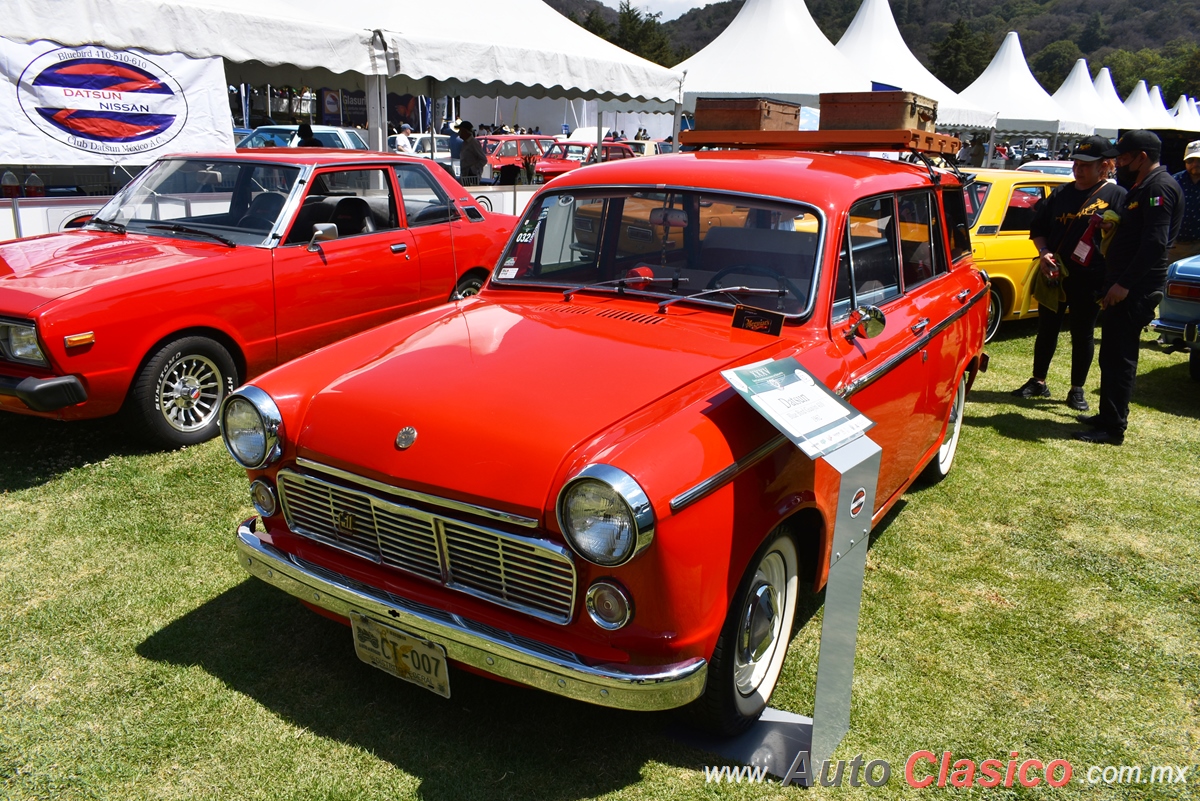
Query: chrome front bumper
x: 478, y: 645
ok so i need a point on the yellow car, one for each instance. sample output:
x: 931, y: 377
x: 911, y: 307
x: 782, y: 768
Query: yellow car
x: 1000, y: 207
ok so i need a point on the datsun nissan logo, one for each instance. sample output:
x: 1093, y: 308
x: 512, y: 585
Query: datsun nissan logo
x: 858, y: 501
x: 102, y: 101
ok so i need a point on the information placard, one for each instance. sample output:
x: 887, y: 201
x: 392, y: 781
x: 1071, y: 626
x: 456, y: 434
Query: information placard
x: 807, y: 412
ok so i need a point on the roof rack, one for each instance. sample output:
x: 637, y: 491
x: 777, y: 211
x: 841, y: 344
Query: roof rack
x: 909, y: 139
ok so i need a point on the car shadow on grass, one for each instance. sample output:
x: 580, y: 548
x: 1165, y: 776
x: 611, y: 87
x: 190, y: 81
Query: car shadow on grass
x: 37, y: 450
x: 1169, y: 389
x: 489, y: 740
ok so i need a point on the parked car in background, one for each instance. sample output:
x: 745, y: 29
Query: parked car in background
x: 620, y: 527
x: 563, y: 157
x: 1179, y: 312
x: 1000, y: 209
x: 286, y: 136
x: 649, y: 147
x: 209, y: 269
x: 1051, y: 167
x: 513, y: 151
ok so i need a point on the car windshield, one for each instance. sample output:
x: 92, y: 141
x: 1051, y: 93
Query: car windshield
x: 570, y: 152
x: 422, y: 145
x: 669, y: 243
x: 239, y: 201
x: 269, y: 137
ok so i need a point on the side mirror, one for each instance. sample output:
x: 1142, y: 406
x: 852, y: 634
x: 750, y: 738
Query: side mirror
x: 322, y: 232
x: 867, y: 322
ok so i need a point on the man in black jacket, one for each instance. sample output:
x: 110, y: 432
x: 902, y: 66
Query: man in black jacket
x: 1067, y: 237
x: 1135, y: 276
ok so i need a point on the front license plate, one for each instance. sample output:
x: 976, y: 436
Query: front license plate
x: 404, y: 656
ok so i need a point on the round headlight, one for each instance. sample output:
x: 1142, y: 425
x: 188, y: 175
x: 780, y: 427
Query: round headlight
x: 251, y: 427
x: 605, y: 516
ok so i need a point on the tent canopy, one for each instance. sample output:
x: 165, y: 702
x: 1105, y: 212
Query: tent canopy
x: 1079, y: 99
x: 1008, y: 86
x: 475, y: 47
x: 1148, y: 113
x: 1185, y: 115
x: 773, y: 48
x: 1112, y: 107
x: 873, y: 43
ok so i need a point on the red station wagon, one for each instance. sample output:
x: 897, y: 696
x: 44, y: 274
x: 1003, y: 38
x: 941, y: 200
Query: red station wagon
x: 209, y: 269
x: 565, y: 156
x: 623, y: 528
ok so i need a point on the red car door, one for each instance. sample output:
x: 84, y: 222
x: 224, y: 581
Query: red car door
x: 433, y: 222
x: 367, y: 275
x: 886, y: 374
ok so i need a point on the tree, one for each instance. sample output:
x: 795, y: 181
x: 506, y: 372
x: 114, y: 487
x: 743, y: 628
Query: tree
x: 595, y: 23
x: 1128, y: 68
x: 1095, y: 34
x: 642, y: 35
x: 960, y: 57
x: 1053, y: 64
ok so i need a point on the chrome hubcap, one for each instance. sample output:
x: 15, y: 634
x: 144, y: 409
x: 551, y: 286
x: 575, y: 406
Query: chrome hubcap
x: 190, y: 393
x: 759, y: 625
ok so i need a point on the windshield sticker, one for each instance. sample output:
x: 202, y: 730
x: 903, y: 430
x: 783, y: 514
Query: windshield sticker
x: 509, y: 272
x: 566, y: 200
x: 749, y: 318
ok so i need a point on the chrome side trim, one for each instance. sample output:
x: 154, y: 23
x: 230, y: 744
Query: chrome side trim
x: 478, y: 645
x: 717, y: 480
x: 420, y: 497
x: 714, y: 482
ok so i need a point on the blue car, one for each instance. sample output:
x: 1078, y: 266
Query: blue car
x: 1179, y: 312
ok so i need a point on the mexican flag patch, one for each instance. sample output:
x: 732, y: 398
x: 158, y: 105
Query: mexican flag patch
x: 1156, y: 201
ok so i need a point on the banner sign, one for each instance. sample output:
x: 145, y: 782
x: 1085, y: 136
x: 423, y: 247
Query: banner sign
x: 801, y: 407
x: 93, y: 105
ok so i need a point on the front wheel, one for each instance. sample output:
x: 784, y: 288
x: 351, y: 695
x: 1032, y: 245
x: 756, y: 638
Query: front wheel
x: 754, y: 641
x: 995, y: 312
x: 177, y: 394
x: 939, y: 467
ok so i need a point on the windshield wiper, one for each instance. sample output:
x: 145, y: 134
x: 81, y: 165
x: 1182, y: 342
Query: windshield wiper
x: 184, y: 229
x: 732, y: 290
x: 106, y: 225
x: 619, y: 283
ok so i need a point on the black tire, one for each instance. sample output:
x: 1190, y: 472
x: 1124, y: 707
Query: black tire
x: 1194, y: 362
x: 469, y: 285
x: 742, y: 674
x: 176, y: 397
x: 995, y: 313
x: 943, y: 460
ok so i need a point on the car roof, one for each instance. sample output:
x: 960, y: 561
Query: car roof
x: 300, y: 155
x: 825, y: 178
x: 1012, y: 176
x: 316, y: 128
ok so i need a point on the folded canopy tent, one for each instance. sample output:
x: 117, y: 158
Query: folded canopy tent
x: 475, y: 47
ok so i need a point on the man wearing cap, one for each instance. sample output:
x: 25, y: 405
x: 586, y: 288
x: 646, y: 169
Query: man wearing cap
x: 403, y: 143
x: 1068, y: 243
x: 472, y: 159
x: 1134, y: 278
x: 1188, y: 241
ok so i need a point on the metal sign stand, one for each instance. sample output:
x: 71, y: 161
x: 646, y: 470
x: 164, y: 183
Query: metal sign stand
x: 791, y: 746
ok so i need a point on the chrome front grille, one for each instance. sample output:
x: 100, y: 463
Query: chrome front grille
x: 532, y: 576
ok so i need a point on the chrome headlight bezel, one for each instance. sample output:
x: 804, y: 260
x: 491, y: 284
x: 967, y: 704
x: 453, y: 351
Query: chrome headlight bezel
x: 9, y: 346
x: 629, y: 493
x: 270, y: 421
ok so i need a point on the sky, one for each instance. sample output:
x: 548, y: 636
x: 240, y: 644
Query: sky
x: 671, y: 9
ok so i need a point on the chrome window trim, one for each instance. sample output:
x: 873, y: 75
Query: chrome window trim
x: 631, y: 494
x: 818, y: 253
x: 420, y: 497
x: 722, y: 477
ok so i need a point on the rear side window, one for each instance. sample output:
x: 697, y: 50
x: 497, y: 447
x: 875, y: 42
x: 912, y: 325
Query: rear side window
x: 920, y: 239
x: 958, y: 221
x: 873, y: 256
x: 1019, y: 215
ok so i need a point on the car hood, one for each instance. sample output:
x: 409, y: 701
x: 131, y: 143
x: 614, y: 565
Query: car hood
x: 36, y: 271
x: 500, y: 395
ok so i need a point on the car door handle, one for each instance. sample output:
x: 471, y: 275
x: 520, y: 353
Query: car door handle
x: 961, y: 297
x: 919, y: 325
x: 399, y: 247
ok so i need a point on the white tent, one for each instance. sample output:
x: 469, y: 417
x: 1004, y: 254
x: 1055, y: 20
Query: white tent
x: 1078, y: 98
x: 1185, y: 115
x: 773, y: 48
x: 1111, y: 101
x: 473, y: 47
x: 1008, y: 86
x: 1149, y: 115
x: 874, y: 44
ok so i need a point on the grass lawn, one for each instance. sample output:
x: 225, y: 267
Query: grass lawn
x: 1044, y: 599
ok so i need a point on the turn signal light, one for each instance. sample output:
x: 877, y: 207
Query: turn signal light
x: 1186, y: 291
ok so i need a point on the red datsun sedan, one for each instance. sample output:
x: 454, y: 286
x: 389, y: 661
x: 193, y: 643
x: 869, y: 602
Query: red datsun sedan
x: 621, y: 527
x: 207, y: 270
x: 565, y: 156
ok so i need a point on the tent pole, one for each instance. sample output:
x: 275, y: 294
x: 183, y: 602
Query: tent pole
x: 991, y: 150
x: 376, y: 111
x: 675, y: 125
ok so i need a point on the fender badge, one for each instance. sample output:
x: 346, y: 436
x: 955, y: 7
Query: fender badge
x: 406, y: 437
x: 858, y: 501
